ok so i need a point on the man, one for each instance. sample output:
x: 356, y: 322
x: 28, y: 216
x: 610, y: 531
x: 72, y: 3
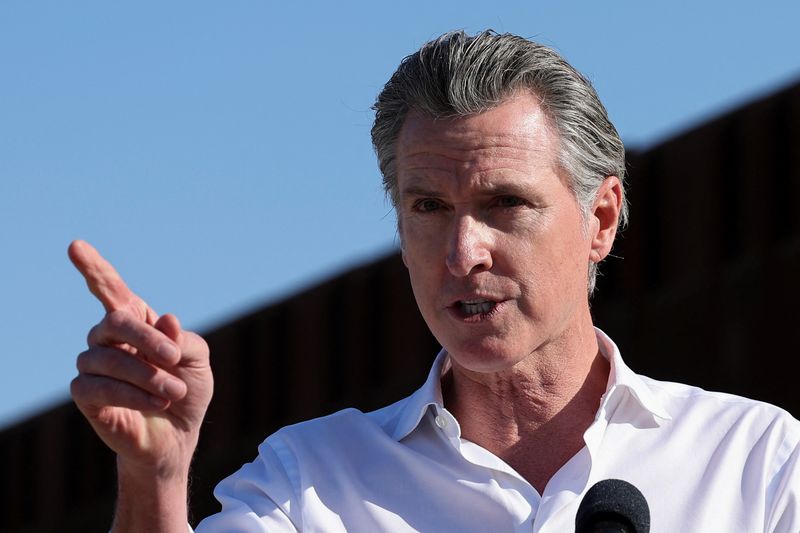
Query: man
x: 507, y: 178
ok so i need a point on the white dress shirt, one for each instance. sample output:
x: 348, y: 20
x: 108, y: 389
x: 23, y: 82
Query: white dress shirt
x: 704, y: 461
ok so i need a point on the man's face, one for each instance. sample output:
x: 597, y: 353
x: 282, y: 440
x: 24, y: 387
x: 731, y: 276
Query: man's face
x: 492, y: 236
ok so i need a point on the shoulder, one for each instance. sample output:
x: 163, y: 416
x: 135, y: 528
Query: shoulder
x: 682, y: 395
x: 344, y: 431
x: 728, y: 416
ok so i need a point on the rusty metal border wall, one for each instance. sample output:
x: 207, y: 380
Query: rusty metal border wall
x: 705, y: 292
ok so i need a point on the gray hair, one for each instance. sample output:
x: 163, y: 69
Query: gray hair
x: 458, y: 75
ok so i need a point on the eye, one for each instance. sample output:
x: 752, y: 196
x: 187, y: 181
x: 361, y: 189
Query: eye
x: 427, y: 205
x: 510, y: 201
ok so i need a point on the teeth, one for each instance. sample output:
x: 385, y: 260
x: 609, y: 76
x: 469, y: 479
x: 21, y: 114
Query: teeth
x: 475, y: 307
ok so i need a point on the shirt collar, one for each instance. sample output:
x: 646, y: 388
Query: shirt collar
x: 620, y: 377
x: 430, y: 394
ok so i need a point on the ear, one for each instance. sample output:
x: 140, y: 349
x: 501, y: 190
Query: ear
x: 604, y: 218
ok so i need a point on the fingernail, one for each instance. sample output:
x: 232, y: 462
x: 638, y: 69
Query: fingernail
x: 173, y: 388
x: 168, y: 351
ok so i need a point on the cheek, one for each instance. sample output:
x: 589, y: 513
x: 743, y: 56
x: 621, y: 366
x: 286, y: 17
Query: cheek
x: 574, y: 267
x: 422, y: 271
x: 421, y: 247
x: 550, y: 264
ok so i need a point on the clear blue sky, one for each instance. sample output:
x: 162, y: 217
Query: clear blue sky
x: 218, y: 152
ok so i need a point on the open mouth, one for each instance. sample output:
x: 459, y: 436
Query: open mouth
x: 476, y: 308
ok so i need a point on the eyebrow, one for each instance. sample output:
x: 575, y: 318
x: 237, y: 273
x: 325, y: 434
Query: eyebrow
x: 491, y: 189
x: 416, y: 190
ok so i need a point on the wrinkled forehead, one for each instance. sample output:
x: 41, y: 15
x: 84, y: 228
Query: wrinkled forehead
x: 514, y: 135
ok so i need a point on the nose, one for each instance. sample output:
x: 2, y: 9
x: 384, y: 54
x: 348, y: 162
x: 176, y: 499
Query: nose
x: 469, y: 250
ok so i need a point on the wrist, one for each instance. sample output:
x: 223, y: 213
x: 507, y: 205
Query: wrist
x: 151, y: 499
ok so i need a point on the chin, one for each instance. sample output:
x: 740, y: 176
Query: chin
x: 485, y: 357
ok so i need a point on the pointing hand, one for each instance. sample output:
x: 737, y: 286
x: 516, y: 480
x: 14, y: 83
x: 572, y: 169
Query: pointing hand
x: 144, y: 383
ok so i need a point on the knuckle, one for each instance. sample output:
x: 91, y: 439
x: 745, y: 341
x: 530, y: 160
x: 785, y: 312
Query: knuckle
x: 93, y: 335
x: 195, y: 341
x: 116, y: 319
x: 82, y: 361
x: 77, y: 388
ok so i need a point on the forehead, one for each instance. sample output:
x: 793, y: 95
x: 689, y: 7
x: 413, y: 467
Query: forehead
x: 509, y: 138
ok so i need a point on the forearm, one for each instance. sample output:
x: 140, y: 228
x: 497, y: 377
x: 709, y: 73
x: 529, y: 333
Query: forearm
x: 151, y: 503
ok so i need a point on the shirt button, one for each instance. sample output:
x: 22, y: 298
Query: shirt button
x: 441, y: 421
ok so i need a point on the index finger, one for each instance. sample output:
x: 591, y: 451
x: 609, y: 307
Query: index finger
x: 105, y: 282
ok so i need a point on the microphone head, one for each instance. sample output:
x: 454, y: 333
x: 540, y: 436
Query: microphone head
x: 613, y: 505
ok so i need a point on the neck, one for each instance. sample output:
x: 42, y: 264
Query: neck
x: 517, y: 414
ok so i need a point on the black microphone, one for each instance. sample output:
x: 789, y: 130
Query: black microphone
x: 613, y: 506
